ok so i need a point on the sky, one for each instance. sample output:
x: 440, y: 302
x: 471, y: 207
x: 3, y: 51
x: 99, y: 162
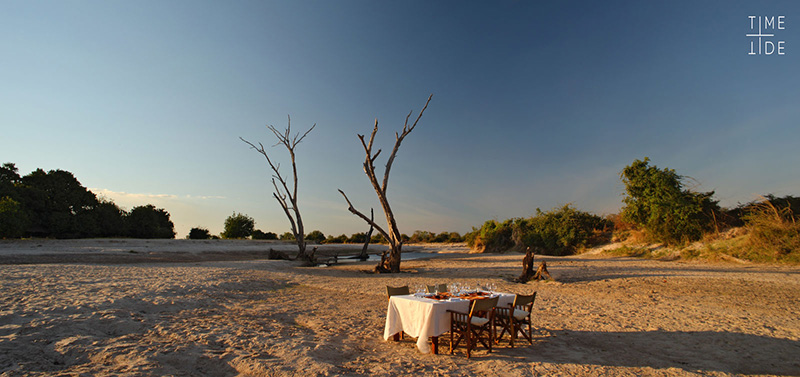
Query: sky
x: 536, y: 104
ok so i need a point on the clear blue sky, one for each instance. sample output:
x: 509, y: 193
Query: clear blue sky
x: 536, y: 104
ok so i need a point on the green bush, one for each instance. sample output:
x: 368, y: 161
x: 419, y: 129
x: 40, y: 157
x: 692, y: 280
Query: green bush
x: 199, y: 234
x: 421, y: 236
x: 339, y: 239
x: 492, y: 237
x: 288, y: 236
x: 657, y: 202
x: 13, y: 219
x: 258, y: 234
x: 377, y: 238
x: 238, y: 225
x: 560, y: 231
x: 357, y: 238
x: 149, y: 222
x: 315, y: 236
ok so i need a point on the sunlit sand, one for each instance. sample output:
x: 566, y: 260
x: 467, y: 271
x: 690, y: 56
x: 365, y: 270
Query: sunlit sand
x: 200, y: 316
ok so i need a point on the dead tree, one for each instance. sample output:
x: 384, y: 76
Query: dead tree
x: 528, y: 272
x: 391, y: 233
x: 286, y: 196
x: 364, y: 256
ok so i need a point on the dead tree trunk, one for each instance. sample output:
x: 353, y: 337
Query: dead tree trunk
x: 285, y: 196
x: 528, y: 272
x: 391, y: 233
x: 527, y: 266
x: 364, y: 256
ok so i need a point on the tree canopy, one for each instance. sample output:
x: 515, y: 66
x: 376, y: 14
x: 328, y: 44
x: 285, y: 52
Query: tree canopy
x: 238, y: 225
x: 55, y: 204
x: 657, y: 201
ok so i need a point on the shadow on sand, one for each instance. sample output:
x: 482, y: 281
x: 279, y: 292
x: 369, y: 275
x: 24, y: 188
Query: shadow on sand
x: 704, y: 351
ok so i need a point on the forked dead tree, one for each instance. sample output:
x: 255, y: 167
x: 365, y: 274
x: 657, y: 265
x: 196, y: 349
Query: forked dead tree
x: 286, y: 196
x: 391, y: 233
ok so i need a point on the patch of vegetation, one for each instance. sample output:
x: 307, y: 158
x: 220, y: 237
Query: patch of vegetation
x: 657, y: 202
x: 259, y: 234
x: 421, y: 236
x: 560, y: 231
x: 238, y: 226
x: 662, y: 253
x: 315, y: 236
x: 55, y: 204
x: 773, y: 233
x: 199, y: 234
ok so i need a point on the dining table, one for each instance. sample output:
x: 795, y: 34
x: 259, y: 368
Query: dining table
x: 425, y: 317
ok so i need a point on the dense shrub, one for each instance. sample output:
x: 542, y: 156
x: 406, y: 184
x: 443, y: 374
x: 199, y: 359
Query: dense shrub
x: 258, y: 234
x: 492, y: 237
x: 238, y: 225
x: 377, y: 238
x: 560, y: 231
x: 288, y: 236
x: 149, y: 222
x: 357, y: 238
x: 657, y: 202
x: 199, y: 234
x: 13, y: 219
x: 338, y: 239
x: 421, y: 236
x: 315, y: 236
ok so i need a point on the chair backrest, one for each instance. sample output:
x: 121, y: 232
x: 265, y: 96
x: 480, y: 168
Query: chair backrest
x: 482, y: 306
x: 524, y: 301
x: 396, y: 291
x: 432, y: 288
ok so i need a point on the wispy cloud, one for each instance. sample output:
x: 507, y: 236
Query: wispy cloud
x: 127, y: 195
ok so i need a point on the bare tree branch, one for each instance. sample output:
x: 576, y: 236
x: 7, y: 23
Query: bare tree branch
x: 398, y: 140
x: 358, y: 213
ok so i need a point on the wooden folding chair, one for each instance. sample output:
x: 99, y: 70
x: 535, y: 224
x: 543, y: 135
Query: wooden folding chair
x: 475, y: 327
x: 513, y: 317
x: 397, y: 291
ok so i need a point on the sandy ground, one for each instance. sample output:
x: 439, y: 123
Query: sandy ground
x: 204, y: 314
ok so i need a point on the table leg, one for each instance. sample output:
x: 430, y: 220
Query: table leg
x: 435, y: 345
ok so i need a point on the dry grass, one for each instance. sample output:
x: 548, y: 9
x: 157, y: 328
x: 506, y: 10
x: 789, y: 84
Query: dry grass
x: 774, y: 235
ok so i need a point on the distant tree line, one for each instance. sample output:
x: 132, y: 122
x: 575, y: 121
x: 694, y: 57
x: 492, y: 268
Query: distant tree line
x: 242, y: 226
x: 55, y: 204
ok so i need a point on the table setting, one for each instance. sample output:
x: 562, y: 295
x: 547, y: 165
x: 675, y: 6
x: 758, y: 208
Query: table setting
x: 424, y: 314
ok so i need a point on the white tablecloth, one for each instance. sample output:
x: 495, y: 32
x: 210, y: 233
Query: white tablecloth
x: 423, y: 318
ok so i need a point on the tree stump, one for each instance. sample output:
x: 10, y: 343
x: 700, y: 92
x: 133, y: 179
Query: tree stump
x: 541, y: 272
x: 528, y: 272
x: 383, y: 266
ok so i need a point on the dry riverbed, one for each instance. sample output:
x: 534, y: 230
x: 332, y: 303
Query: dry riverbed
x: 130, y: 308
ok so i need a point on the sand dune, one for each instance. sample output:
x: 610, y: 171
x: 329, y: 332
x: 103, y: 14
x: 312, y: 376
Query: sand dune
x: 257, y: 317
